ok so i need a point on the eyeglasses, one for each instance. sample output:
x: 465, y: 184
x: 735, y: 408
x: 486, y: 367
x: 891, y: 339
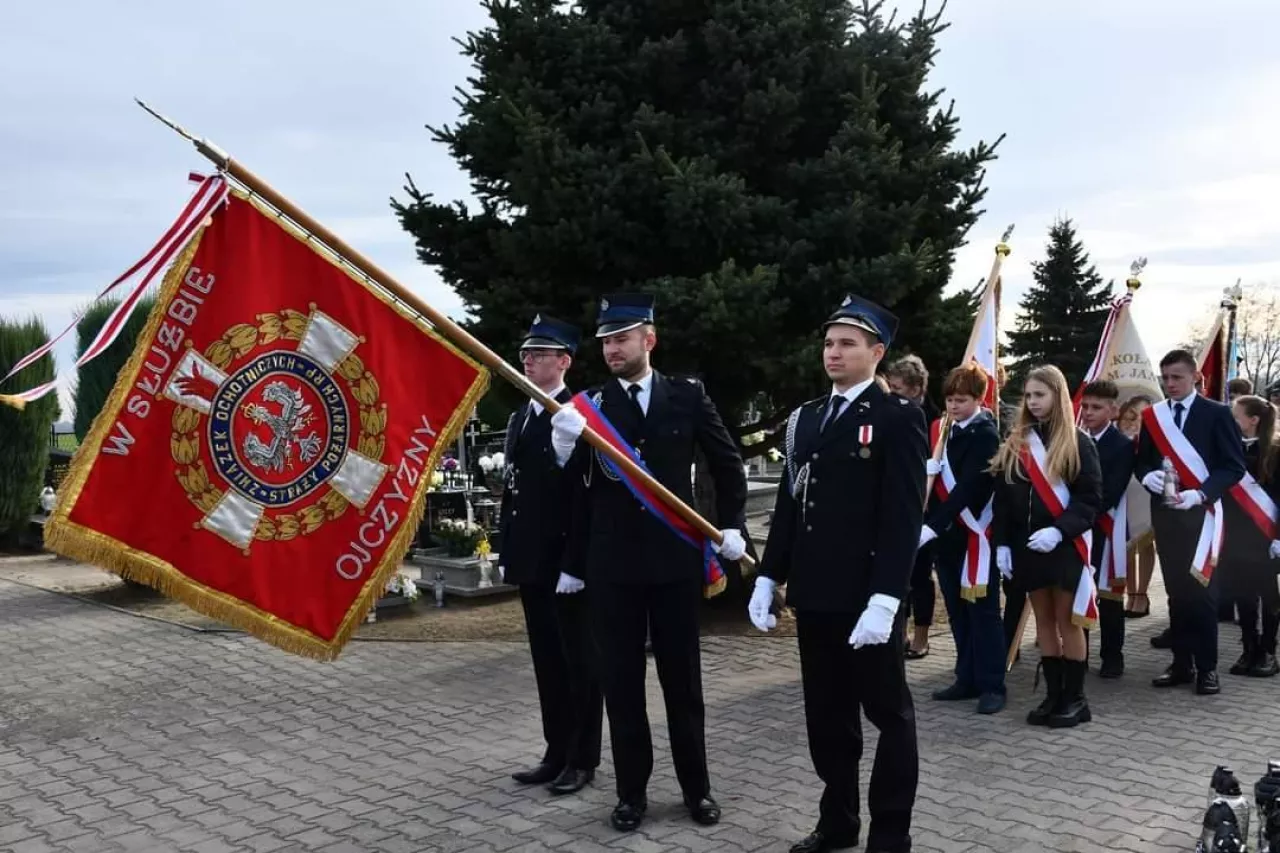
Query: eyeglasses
x: 537, y: 356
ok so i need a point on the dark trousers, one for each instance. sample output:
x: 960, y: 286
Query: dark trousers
x: 1111, y: 627
x: 976, y: 628
x: 622, y: 613
x: 1255, y: 610
x: 560, y: 642
x: 1193, y: 607
x: 921, y: 601
x: 840, y: 682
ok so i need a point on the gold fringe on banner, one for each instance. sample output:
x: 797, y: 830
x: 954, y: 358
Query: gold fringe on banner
x: 77, y: 542
x: 13, y: 400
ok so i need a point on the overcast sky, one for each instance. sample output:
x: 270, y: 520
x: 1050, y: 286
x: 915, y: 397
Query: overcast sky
x: 1154, y: 125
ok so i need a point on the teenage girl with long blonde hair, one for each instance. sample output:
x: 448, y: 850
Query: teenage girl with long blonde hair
x: 1035, y: 541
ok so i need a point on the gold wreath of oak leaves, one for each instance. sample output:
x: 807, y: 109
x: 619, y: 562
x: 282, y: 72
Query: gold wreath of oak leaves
x: 235, y: 343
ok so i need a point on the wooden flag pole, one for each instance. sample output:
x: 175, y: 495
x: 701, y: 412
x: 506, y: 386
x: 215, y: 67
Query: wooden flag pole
x: 446, y: 326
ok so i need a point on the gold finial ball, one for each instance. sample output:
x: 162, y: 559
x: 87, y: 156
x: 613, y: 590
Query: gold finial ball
x: 1003, y: 250
x: 1133, y: 284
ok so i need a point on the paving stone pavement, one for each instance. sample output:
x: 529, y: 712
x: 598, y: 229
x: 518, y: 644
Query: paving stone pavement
x: 124, y: 734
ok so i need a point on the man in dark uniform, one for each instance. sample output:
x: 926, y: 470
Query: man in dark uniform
x: 844, y: 535
x: 640, y: 573
x: 1099, y: 406
x: 1214, y: 437
x: 534, y: 523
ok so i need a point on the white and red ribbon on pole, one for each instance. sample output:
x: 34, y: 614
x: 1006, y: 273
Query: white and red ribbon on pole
x: 209, y: 195
x: 1104, y: 348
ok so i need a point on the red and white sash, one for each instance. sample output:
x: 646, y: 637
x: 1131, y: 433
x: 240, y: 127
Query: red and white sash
x: 1112, y: 569
x: 1055, y: 495
x: 1192, y: 472
x: 1257, y: 504
x: 975, y: 572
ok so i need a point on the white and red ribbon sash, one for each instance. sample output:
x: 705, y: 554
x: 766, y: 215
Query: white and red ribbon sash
x: 1055, y: 495
x: 1257, y: 504
x: 1192, y: 472
x: 1113, y: 567
x: 1104, y: 347
x: 209, y: 195
x: 975, y: 571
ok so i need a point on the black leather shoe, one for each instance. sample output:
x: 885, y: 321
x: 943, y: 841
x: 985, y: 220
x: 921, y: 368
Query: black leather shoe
x: 626, y: 816
x: 571, y: 781
x: 1207, y: 683
x: 954, y: 693
x: 819, y: 841
x: 1174, y: 677
x: 1163, y: 640
x: 990, y: 703
x: 540, y: 775
x: 705, y: 811
x: 1265, y: 666
x: 1111, y: 668
x: 1243, y: 663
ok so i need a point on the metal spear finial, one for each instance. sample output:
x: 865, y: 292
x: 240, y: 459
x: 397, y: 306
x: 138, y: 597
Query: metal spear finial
x: 204, y: 146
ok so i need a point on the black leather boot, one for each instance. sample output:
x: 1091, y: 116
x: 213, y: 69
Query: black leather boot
x: 1072, y: 708
x: 1051, y: 667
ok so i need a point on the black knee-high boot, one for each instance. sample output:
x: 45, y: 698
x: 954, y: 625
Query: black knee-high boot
x: 1073, y: 708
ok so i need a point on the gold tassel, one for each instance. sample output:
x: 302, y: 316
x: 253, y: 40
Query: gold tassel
x: 13, y: 400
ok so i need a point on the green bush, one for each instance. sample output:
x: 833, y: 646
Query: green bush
x: 95, y: 380
x: 24, y: 435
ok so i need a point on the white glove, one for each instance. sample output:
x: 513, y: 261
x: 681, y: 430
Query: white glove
x: 732, y: 546
x: 933, y: 467
x: 1045, y: 539
x: 1188, y: 499
x: 927, y: 535
x: 1154, y: 482
x: 1004, y: 562
x: 876, y: 622
x: 1275, y: 549
x: 568, y: 585
x: 761, y: 601
x: 566, y: 425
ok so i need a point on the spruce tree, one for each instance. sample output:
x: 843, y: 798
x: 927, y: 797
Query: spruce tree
x: 1061, y: 315
x: 25, y: 434
x: 95, y: 379
x: 747, y: 163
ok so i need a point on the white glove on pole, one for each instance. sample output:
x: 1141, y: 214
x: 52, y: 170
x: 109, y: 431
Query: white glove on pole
x: 1154, y: 482
x: 1004, y: 562
x: 1188, y: 499
x: 568, y: 585
x: 566, y: 425
x: 1045, y: 539
x: 761, y: 601
x: 933, y: 467
x: 876, y: 622
x: 927, y: 535
x: 732, y: 546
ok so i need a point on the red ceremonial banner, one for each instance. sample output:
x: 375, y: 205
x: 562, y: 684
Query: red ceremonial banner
x: 265, y: 455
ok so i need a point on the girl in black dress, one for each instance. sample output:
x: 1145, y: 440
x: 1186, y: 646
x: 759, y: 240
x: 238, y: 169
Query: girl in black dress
x: 1248, y: 572
x: 1048, y: 490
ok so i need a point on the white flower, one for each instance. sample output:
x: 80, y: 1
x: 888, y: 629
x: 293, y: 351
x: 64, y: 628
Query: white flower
x: 498, y: 459
x: 486, y: 463
x: 774, y: 454
x: 471, y: 527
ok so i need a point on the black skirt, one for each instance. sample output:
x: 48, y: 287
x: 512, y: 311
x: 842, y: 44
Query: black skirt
x: 1060, y: 568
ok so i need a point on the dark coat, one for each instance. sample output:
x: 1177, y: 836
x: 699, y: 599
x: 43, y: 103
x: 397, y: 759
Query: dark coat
x: 534, y: 518
x: 613, y: 537
x: 969, y: 453
x: 1019, y: 512
x: 1116, y: 458
x: 851, y: 527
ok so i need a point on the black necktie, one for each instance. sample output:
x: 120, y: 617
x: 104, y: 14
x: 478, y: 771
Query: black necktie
x: 833, y: 410
x: 634, y: 391
x: 1178, y: 409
